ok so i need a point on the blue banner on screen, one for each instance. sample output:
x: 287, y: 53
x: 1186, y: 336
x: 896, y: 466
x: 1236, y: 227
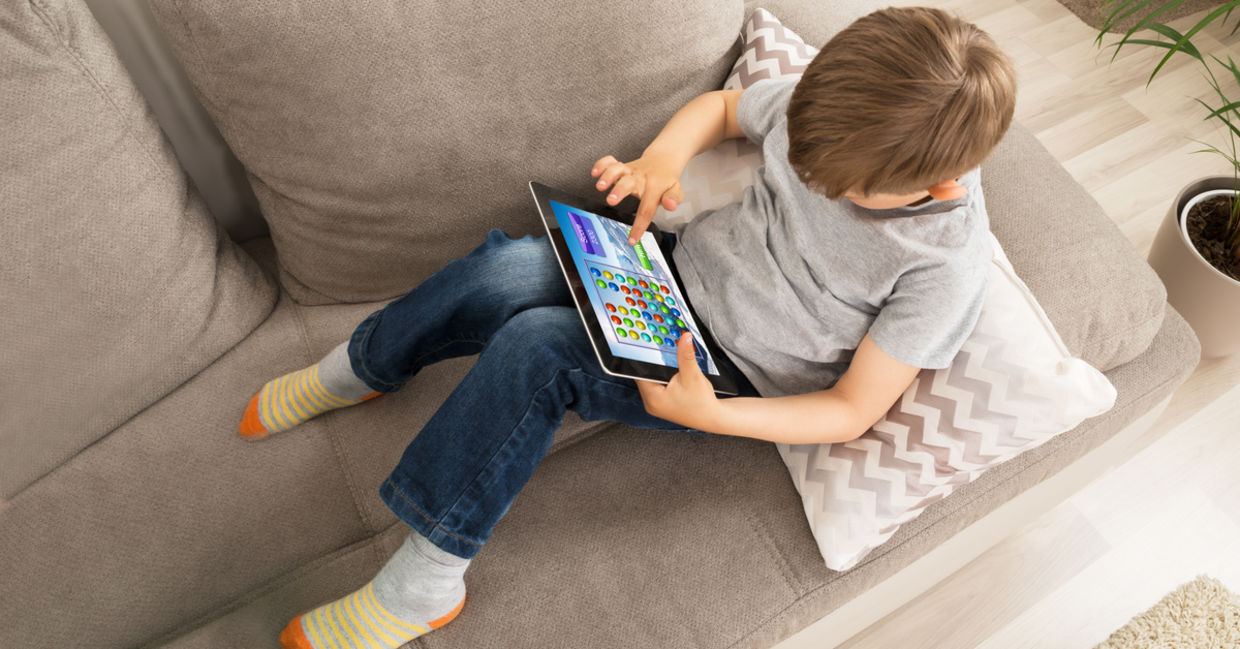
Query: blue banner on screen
x: 631, y: 290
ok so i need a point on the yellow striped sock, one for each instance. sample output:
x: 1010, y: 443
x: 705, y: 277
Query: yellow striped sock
x: 289, y: 400
x: 356, y: 621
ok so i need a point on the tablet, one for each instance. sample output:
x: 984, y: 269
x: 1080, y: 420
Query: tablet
x: 628, y: 296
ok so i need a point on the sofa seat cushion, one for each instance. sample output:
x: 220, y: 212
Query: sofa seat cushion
x: 117, y: 283
x: 666, y: 540
x: 383, y: 138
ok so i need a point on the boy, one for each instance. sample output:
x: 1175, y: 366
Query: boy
x: 858, y: 257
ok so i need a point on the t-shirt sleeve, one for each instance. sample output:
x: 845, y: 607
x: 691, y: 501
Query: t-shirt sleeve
x: 932, y: 311
x: 762, y: 106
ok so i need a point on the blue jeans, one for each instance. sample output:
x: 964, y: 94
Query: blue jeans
x: 508, y: 301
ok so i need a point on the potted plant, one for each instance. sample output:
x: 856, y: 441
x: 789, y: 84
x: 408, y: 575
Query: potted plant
x: 1197, y: 249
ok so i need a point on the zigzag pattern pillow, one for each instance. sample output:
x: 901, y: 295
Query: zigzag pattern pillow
x: 1012, y: 387
x: 717, y: 177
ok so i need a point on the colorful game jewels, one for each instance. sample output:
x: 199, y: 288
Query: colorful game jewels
x: 644, y: 316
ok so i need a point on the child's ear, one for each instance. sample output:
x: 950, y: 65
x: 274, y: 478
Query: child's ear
x: 948, y: 190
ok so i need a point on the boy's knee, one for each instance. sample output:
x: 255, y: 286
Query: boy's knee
x: 543, y: 336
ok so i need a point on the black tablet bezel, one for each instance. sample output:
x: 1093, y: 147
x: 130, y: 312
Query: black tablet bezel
x: 722, y: 383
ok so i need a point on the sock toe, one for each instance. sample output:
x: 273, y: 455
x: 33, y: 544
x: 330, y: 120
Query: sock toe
x: 251, y: 426
x: 294, y: 637
x: 435, y: 624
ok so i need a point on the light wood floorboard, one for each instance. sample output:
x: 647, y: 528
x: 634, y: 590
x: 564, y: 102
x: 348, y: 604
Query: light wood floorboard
x: 1071, y: 577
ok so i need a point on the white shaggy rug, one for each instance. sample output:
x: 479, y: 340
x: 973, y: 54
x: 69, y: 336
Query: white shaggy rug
x: 1201, y: 614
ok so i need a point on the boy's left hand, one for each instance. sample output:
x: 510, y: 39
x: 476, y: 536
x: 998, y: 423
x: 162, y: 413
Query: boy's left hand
x: 688, y: 399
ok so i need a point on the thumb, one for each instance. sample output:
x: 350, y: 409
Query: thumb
x: 673, y: 197
x: 685, y: 359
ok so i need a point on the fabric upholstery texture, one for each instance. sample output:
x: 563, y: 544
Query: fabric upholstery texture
x: 117, y: 284
x: 1106, y: 304
x: 1012, y: 387
x: 376, y: 159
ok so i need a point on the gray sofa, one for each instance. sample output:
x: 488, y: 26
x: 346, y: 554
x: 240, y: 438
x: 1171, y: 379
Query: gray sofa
x: 380, y: 140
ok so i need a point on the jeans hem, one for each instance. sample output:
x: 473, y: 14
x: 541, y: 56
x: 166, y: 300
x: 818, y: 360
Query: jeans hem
x: 356, y: 342
x: 446, y: 540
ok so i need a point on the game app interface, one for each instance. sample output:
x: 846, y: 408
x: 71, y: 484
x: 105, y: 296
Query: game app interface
x: 630, y: 288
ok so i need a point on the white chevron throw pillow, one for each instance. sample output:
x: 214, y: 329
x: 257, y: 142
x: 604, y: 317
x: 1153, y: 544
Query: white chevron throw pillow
x: 719, y: 176
x: 1013, y: 386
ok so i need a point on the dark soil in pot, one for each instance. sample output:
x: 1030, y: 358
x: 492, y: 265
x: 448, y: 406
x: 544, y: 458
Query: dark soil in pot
x: 1207, y: 223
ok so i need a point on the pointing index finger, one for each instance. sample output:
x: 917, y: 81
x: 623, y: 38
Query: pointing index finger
x: 640, y: 223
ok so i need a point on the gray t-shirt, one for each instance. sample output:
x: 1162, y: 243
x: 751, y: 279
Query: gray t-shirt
x: 789, y: 282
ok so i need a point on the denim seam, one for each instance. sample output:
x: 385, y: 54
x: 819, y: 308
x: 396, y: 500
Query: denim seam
x: 397, y: 490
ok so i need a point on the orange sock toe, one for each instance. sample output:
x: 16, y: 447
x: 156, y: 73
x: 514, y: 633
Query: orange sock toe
x: 294, y: 637
x: 435, y: 624
x: 251, y: 426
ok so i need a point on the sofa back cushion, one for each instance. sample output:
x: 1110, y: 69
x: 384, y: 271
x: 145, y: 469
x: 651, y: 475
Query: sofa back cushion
x: 385, y: 139
x: 117, y: 286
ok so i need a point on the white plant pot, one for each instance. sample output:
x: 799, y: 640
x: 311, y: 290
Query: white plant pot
x: 1208, y: 299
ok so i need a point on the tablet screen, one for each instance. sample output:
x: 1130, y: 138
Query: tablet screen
x: 631, y: 290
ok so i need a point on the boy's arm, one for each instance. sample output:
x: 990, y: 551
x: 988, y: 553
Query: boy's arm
x: 873, y: 383
x: 655, y: 177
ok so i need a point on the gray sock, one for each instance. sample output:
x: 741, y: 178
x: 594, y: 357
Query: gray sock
x: 421, y: 588
x: 336, y: 374
x: 421, y: 582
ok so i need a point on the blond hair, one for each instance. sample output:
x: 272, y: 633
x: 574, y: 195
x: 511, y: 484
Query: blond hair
x: 899, y: 101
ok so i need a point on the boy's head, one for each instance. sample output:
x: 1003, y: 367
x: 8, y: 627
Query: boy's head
x: 900, y: 102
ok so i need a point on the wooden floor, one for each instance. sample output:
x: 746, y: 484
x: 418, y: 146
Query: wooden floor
x: 1070, y: 578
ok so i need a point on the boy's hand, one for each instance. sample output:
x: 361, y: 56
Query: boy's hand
x: 652, y: 179
x: 688, y: 399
